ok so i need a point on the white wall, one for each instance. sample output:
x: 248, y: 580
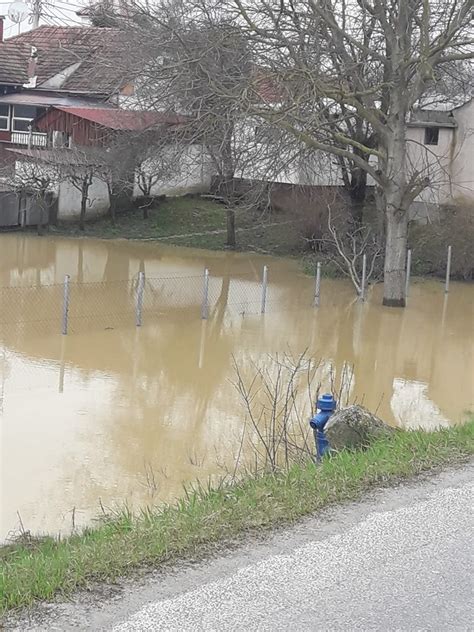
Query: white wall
x: 69, y: 200
x: 449, y: 165
x: 190, y: 172
x: 462, y: 165
x: 285, y: 160
x: 431, y: 161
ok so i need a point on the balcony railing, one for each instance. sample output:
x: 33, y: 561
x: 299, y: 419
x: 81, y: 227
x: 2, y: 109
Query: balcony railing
x: 26, y: 138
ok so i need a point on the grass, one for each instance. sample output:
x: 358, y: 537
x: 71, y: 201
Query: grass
x: 182, y: 221
x: 43, y: 569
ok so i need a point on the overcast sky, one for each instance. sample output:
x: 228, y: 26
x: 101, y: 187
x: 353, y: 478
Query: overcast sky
x: 57, y: 12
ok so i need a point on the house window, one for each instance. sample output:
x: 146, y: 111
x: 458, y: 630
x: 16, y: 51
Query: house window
x: 4, y: 117
x: 431, y: 135
x: 23, y: 115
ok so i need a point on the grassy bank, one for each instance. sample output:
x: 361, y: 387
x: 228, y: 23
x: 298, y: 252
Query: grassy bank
x: 45, y: 568
x: 199, y: 223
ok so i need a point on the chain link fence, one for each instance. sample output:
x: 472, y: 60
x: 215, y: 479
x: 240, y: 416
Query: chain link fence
x: 72, y: 307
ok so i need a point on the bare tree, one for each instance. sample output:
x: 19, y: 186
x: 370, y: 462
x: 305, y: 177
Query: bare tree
x: 347, y: 247
x: 278, y: 401
x: 80, y: 166
x: 155, y: 162
x: 345, y: 75
x: 37, y: 181
x: 369, y: 61
x: 185, y: 60
x: 192, y: 57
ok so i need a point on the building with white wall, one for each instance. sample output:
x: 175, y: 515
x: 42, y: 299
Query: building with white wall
x: 441, y: 147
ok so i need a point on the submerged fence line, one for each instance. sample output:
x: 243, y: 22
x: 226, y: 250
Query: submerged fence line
x: 62, y: 307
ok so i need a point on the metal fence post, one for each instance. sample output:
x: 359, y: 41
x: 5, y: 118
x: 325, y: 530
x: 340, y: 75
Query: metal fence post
x: 205, y: 296
x: 317, y: 289
x: 66, y: 305
x: 264, y: 288
x: 408, y: 272
x: 140, y: 293
x: 448, y: 269
x: 364, y: 274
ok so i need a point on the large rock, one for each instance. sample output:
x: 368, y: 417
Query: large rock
x: 355, y: 428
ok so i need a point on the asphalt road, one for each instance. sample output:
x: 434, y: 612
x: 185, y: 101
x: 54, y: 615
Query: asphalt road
x: 401, y: 560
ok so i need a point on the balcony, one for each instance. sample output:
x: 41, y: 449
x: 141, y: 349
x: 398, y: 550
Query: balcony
x: 33, y: 139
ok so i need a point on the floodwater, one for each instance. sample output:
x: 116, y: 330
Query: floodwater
x: 112, y: 413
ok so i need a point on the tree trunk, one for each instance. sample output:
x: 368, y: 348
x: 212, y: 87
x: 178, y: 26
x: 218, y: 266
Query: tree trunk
x: 357, y: 193
x: 147, y: 201
x: 395, y: 202
x: 82, y: 216
x: 230, y: 216
x: 39, y: 227
x: 229, y: 184
x: 395, y: 257
x: 113, y: 208
x: 112, y: 203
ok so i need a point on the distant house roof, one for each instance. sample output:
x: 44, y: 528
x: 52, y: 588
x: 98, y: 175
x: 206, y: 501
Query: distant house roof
x: 70, y: 50
x: 114, y: 118
x: 432, y: 118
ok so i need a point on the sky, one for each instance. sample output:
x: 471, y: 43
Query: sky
x: 55, y: 12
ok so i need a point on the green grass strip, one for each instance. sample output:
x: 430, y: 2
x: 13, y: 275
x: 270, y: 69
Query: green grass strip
x: 47, y: 568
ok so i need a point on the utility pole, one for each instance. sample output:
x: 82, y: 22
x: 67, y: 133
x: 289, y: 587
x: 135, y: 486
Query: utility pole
x: 36, y: 11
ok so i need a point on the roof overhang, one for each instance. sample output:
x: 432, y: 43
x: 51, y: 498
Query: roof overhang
x: 441, y: 125
x: 48, y: 100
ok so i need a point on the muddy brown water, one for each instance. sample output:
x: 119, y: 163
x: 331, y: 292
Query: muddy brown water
x: 113, y: 413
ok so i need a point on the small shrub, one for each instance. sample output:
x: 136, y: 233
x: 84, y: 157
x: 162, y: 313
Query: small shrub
x: 430, y: 242
x: 313, y: 216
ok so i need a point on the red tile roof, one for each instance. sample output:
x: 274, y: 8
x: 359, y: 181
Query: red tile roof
x: 59, y: 48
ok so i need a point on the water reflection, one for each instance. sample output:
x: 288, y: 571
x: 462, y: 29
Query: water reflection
x: 108, y: 414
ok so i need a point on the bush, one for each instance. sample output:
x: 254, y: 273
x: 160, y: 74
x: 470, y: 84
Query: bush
x: 313, y: 216
x: 430, y: 242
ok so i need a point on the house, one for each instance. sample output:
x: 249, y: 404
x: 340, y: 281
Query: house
x: 441, y: 145
x: 95, y: 143
x: 68, y: 87
x: 55, y: 66
x: 60, y: 88
x: 440, y: 148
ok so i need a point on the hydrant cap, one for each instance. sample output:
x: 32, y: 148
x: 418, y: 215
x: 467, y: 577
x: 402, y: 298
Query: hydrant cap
x: 326, y: 403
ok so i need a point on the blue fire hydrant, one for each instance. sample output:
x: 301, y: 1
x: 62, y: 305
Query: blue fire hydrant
x: 326, y: 405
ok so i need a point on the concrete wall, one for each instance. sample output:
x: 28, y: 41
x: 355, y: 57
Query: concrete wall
x: 449, y: 165
x: 282, y: 160
x: 68, y: 197
x: 69, y: 200
x: 189, y: 171
x: 462, y: 164
x: 9, y: 209
x: 431, y: 161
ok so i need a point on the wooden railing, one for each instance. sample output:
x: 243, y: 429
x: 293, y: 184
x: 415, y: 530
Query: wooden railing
x: 26, y: 138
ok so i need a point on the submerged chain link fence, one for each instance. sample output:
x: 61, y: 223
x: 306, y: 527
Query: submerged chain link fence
x: 72, y: 307
x: 76, y: 306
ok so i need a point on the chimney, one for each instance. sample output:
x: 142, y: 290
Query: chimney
x: 32, y: 74
x: 2, y: 24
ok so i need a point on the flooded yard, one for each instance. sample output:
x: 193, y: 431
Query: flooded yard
x: 114, y: 413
